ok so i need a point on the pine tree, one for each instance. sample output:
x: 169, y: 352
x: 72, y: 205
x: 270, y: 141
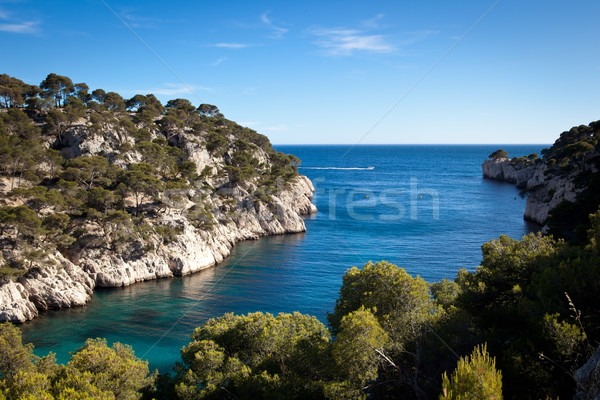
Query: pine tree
x: 475, y: 378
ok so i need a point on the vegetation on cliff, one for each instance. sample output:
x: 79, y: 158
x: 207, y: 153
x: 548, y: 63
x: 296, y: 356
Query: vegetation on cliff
x: 576, y: 151
x: 571, y: 149
x: 81, y: 169
x: 95, y: 371
x: 517, y: 327
x: 521, y: 323
x: 574, y: 157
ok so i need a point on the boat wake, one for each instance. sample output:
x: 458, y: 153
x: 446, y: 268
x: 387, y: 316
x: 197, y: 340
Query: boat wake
x: 340, y: 168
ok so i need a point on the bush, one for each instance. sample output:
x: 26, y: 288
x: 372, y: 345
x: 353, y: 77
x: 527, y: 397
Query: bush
x: 216, y: 143
x: 474, y: 378
x: 167, y: 233
x: 498, y: 154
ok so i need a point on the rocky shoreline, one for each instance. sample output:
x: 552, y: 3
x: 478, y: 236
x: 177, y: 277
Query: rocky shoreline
x: 545, y: 187
x: 111, y: 197
x: 70, y: 282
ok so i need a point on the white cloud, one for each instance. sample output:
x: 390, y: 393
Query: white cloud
x: 218, y: 61
x: 275, y: 128
x: 3, y: 14
x: 416, y: 36
x: 372, y: 23
x: 348, y: 41
x: 277, y: 31
x: 171, y: 89
x: 233, y: 45
x: 366, y: 38
x: 136, y: 20
x: 27, y: 27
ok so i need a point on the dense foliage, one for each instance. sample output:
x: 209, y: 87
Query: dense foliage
x: 575, y: 155
x: 81, y: 169
x: 95, y: 371
x: 576, y: 151
x: 533, y: 301
x: 287, y: 356
x: 517, y: 328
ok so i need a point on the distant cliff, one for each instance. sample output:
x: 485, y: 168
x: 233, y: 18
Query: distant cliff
x: 557, y: 184
x: 96, y: 190
x: 544, y: 192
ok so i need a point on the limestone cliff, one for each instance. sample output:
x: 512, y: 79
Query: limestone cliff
x: 70, y: 283
x: 544, y: 190
x: 201, y: 187
x: 588, y: 379
x: 564, y: 172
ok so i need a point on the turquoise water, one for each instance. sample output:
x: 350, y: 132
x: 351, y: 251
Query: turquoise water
x: 425, y: 208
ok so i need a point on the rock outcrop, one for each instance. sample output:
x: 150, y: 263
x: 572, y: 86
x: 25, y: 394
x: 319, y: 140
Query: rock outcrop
x: 545, y: 186
x: 239, y: 189
x: 588, y: 379
x: 70, y: 283
x: 15, y: 305
x: 565, y: 179
x: 194, y: 250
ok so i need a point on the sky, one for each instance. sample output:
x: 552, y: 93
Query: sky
x: 329, y: 72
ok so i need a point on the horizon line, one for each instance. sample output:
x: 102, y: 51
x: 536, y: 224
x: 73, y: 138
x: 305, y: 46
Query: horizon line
x: 412, y: 144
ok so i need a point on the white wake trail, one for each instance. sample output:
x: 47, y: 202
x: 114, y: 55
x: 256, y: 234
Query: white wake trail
x: 340, y: 168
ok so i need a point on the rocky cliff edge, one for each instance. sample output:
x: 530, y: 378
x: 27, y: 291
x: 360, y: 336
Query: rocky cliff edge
x: 547, y: 182
x: 138, y: 200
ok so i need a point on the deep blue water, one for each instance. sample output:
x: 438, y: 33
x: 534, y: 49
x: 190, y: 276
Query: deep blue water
x: 425, y: 208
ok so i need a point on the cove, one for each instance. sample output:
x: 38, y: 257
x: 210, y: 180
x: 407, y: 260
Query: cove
x: 375, y: 202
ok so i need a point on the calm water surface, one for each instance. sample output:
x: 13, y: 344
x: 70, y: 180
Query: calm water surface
x: 425, y: 208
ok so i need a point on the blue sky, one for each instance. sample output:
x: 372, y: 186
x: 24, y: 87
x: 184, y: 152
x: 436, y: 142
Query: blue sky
x: 331, y: 72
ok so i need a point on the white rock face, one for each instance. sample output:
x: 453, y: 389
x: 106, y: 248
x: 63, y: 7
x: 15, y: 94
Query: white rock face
x: 194, y: 249
x: 209, y: 219
x: 67, y: 284
x: 15, y: 305
x: 501, y: 169
x: 588, y: 379
x: 545, y: 187
x: 62, y: 285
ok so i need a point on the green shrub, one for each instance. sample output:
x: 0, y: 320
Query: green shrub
x: 168, y: 233
x: 475, y: 378
x: 498, y: 154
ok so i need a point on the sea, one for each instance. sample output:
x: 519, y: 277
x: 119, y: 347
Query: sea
x: 425, y: 208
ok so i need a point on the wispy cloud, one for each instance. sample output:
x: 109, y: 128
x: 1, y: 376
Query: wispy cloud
x: 346, y: 42
x: 366, y: 38
x: 171, y: 89
x: 137, y: 20
x: 412, y: 37
x: 28, y: 27
x: 277, y: 32
x: 24, y: 27
x: 275, y: 128
x: 232, y: 45
x: 218, y: 61
x: 372, y: 23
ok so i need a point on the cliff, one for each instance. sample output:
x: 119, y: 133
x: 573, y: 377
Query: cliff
x: 544, y: 190
x: 110, y: 198
x: 555, y: 181
x: 70, y: 283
